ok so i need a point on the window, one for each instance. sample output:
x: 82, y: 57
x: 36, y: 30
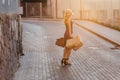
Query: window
x: 9, y: 2
x: 116, y: 13
x: 3, y: 1
x: 102, y: 14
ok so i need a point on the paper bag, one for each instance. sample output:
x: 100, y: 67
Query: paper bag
x: 75, y: 43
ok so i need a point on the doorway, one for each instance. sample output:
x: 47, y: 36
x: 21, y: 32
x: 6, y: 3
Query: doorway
x: 47, y: 9
x: 37, y: 9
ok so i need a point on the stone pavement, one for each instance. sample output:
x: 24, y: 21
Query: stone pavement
x: 104, y: 31
x: 42, y: 57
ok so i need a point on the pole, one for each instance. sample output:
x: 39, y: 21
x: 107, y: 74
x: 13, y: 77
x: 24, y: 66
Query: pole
x: 81, y: 9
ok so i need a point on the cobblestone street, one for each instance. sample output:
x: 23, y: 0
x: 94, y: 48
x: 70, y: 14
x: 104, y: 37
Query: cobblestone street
x: 94, y: 61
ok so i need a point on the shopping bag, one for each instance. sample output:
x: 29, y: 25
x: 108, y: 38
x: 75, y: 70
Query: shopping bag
x: 75, y: 43
x: 70, y: 43
x: 60, y: 42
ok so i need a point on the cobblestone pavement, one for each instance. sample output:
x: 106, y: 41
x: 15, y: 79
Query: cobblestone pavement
x: 94, y: 61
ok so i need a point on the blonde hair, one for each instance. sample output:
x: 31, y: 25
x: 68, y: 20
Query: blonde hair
x: 67, y: 15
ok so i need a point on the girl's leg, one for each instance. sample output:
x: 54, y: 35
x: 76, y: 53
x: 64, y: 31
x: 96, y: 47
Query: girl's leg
x: 66, y: 56
x: 68, y: 52
x: 65, y: 53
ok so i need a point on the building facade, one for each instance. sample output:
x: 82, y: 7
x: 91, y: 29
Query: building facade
x: 37, y: 8
x: 52, y: 8
x: 106, y: 12
x: 102, y: 11
x: 62, y: 5
x: 85, y: 9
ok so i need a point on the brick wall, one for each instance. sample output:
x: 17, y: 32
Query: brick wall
x: 10, y: 45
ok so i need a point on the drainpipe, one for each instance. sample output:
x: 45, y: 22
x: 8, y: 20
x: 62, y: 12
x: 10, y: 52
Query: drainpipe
x: 81, y: 9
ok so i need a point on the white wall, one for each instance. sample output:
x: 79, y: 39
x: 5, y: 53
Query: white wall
x: 62, y: 5
x: 100, y: 10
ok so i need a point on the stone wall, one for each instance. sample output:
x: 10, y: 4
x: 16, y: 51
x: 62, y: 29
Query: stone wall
x: 10, y: 45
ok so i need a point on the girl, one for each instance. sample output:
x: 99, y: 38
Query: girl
x: 67, y: 35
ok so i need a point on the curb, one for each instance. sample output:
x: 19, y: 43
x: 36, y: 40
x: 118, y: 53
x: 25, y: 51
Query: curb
x: 117, y: 45
x: 43, y: 19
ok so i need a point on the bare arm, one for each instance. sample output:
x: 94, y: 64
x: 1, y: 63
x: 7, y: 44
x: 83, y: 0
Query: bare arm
x: 69, y: 28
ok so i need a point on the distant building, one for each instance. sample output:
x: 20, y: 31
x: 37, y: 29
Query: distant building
x: 36, y: 8
x: 62, y: 5
x: 103, y: 11
x: 50, y: 8
x: 8, y: 6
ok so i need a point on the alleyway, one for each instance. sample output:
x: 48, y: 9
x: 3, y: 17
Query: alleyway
x: 94, y: 61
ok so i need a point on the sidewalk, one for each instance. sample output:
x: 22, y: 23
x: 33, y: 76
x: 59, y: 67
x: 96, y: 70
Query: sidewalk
x: 110, y: 34
x: 106, y: 32
x: 42, y: 57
